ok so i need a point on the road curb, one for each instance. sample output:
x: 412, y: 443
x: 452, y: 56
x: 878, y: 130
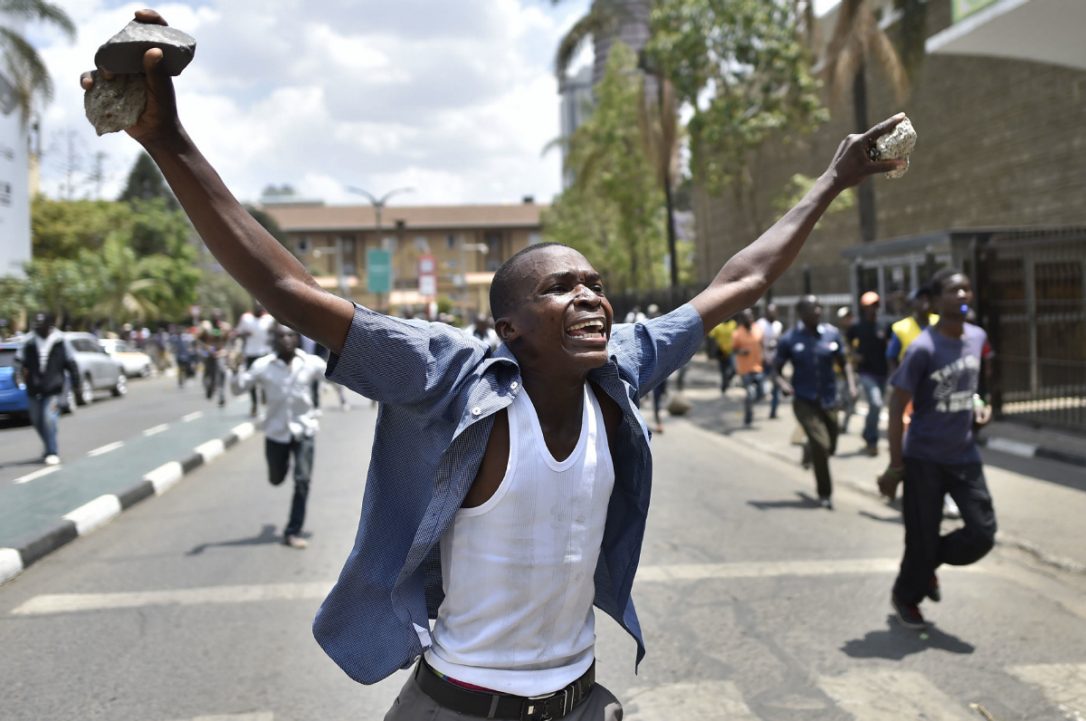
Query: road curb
x: 1031, y: 450
x: 103, y: 509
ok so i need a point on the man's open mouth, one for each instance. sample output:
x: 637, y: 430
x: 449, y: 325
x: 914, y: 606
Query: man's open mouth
x: 594, y: 329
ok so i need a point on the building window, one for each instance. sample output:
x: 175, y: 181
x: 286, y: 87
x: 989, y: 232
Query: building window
x: 303, y: 244
x: 450, y: 242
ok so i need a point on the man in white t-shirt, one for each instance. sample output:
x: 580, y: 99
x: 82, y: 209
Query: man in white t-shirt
x: 771, y: 328
x: 286, y: 376
x: 255, y: 329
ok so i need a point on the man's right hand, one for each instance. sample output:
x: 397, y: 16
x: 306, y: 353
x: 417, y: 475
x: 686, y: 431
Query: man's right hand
x: 159, y: 118
x: 890, y: 479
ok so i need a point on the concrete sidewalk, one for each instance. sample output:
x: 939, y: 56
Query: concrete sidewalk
x: 1039, y: 517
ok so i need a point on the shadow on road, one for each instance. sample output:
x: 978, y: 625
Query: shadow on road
x: 895, y: 643
x: 267, y: 534
x: 803, y: 501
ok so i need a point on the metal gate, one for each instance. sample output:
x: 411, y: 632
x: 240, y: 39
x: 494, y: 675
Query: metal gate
x: 1031, y: 288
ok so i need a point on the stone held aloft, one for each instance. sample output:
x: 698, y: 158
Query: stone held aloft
x: 116, y: 104
x: 896, y: 145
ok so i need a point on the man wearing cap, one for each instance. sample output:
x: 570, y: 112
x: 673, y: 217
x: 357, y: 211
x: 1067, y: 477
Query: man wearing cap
x: 868, y: 339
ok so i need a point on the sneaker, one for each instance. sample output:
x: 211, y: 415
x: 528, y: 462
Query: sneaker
x: 950, y: 508
x: 295, y: 542
x: 908, y: 614
x: 51, y: 460
x: 871, y: 451
x: 826, y: 503
x: 933, y: 589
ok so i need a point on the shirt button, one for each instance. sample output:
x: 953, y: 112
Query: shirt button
x: 513, y: 386
x: 476, y: 411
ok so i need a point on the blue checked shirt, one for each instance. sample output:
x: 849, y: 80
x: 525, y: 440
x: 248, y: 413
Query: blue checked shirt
x: 439, y: 389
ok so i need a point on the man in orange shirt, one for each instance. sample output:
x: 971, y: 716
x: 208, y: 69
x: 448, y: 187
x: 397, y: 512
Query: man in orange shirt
x: 747, y: 351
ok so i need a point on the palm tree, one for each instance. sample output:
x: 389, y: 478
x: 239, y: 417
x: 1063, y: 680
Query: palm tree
x: 857, y: 42
x: 126, y: 290
x: 19, y: 61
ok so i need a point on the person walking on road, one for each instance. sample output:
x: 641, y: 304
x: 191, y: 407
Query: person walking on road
x: 747, y: 349
x: 507, y: 492
x: 255, y: 330
x: 868, y: 339
x: 721, y: 336
x: 814, y: 349
x: 940, y: 374
x: 286, y: 376
x: 771, y: 328
x: 42, y: 360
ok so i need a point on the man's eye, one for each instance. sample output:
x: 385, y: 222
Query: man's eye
x: 557, y: 289
x: 597, y: 289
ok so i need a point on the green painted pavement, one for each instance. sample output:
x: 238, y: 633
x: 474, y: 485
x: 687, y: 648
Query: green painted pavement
x: 29, y: 509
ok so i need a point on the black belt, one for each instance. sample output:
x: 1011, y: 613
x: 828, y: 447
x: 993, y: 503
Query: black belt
x: 504, y: 706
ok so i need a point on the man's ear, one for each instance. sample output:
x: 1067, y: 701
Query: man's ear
x: 505, y: 330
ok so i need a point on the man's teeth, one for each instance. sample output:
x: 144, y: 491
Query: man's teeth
x: 593, y: 325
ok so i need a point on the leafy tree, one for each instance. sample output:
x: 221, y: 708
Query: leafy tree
x: 14, y: 304
x: 742, y: 72
x: 60, y: 228
x: 19, y: 61
x: 857, y: 42
x: 125, y: 291
x: 613, y: 211
x: 62, y: 286
x: 145, y: 182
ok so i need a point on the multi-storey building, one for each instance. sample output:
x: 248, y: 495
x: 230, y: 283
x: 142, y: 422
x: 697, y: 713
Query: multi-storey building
x: 459, y: 247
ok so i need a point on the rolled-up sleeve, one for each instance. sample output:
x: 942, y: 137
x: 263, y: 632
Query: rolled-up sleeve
x: 393, y: 360
x: 651, y: 350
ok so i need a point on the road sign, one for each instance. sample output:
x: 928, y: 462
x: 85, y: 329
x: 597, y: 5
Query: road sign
x: 378, y: 270
x: 427, y: 276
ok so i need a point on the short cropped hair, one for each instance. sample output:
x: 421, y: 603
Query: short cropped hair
x: 935, y: 285
x: 504, y: 294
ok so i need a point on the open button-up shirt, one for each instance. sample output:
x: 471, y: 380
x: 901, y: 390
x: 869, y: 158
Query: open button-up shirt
x: 288, y: 388
x: 439, y: 390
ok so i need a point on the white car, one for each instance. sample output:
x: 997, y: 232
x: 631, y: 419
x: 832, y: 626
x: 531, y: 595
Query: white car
x: 136, y: 363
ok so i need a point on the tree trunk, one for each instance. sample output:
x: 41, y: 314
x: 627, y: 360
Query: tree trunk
x: 866, y: 190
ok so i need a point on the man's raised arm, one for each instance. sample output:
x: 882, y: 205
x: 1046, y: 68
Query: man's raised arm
x: 751, y: 271
x: 245, y: 249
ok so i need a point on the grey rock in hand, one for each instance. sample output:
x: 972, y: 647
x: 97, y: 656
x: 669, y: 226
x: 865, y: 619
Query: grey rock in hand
x: 115, y: 104
x: 896, y: 145
x: 123, y: 53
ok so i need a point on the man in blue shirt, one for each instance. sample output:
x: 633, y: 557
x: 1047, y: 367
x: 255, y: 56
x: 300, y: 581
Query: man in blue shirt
x: 814, y: 349
x: 940, y: 374
x: 445, y: 434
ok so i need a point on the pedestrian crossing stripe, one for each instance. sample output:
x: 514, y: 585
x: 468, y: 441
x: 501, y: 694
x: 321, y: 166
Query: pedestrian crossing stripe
x: 704, y: 701
x: 890, y: 695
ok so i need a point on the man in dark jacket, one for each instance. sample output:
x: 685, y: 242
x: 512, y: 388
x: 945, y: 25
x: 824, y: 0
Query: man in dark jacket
x: 43, y: 359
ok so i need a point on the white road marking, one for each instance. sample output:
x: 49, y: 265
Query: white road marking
x: 243, y: 430
x: 155, y: 430
x: 98, y: 512
x: 11, y: 564
x: 1064, y: 684
x: 211, y: 449
x: 883, y: 694
x: 105, y: 449
x: 165, y: 476
x: 704, y: 701
x: 37, y: 474
x: 258, y: 716
x: 192, y: 416
x: 1015, y: 448
x: 70, y: 602
x: 697, y: 572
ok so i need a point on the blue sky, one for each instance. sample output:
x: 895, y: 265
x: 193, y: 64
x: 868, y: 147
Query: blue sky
x: 455, y: 99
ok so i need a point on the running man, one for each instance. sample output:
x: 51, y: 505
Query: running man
x: 940, y: 374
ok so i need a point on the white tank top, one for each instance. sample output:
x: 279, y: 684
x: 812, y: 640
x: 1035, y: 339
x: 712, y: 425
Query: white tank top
x: 518, y: 570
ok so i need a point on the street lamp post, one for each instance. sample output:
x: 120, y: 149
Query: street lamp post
x: 378, y: 204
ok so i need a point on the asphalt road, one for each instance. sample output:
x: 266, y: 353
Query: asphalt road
x: 755, y: 603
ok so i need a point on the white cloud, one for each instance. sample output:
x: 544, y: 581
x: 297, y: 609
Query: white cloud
x: 454, y: 98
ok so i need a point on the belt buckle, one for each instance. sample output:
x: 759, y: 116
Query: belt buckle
x: 539, y: 708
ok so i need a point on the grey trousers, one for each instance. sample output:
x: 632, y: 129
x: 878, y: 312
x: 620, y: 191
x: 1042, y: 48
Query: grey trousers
x: 414, y: 705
